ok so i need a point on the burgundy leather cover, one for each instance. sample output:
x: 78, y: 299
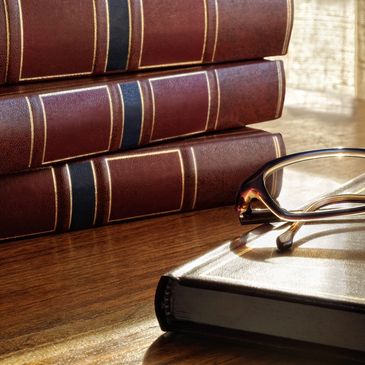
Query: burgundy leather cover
x: 46, y: 123
x: 172, y: 177
x: 56, y: 39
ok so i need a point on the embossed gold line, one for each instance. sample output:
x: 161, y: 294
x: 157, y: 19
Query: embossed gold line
x: 171, y: 64
x: 144, y: 154
x: 280, y: 89
x: 56, y: 198
x: 44, y: 128
x: 209, y: 101
x: 110, y: 188
x: 123, y: 116
x: 130, y: 34
x: 111, y: 118
x: 31, y: 121
x: 216, y: 28
x: 153, y: 108
x: 95, y: 36
x: 96, y: 192
x: 74, y: 91
x: 142, y: 36
x: 289, y: 16
x: 70, y: 186
x: 195, y: 178
x: 7, y: 39
x: 277, y: 147
x: 21, y: 39
x: 183, y: 179
x: 142, y: 122
x: 277, y: 155
x: 55, y: 76
x: 219, y: 99
x: 175, y: 76
x: 205, y: 29
x: 107, y: 34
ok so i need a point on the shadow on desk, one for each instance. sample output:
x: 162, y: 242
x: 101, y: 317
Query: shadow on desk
x: 178, y: 348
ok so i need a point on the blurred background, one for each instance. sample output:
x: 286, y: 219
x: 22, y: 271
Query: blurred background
x: 325, y: 74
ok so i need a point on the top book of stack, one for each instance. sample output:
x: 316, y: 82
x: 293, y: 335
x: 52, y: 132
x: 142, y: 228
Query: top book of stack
x: 42, y: 39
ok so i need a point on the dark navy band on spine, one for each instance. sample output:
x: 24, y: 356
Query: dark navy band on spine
x: 118, y: 35
x: 83, y: 195
x: 132, y: 114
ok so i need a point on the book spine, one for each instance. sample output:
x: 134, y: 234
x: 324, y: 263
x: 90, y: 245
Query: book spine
x: 102, y: 36
x: 38, y: 129
x: 172, y: 178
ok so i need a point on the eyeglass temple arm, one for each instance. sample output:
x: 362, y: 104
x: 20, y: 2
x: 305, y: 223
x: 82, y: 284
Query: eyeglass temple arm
x: 285, y: 240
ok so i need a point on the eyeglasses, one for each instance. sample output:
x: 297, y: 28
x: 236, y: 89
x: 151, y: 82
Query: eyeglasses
x: 304, y: 187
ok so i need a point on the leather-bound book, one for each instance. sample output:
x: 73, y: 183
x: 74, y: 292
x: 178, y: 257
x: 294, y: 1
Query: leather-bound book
x: 45, y: 39
x: 198, y: 173
x: 310, y: 298
x: 45, y: 123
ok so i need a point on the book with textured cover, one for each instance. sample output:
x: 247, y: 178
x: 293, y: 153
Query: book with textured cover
x: 47, y: 123
x: 174, y: 177
x: 246, y: 288
x: 45, y: 39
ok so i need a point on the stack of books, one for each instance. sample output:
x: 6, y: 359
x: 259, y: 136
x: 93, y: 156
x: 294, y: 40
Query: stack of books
x: 112, y: 110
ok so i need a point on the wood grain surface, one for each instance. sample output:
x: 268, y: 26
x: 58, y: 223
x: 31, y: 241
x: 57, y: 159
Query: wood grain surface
x: 87, y: 297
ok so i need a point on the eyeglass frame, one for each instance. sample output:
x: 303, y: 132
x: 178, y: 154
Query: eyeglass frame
x: 254, y: 188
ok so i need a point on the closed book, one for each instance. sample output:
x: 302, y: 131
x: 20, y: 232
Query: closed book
x: 45, y: 39
x: 173, y: 177
x: 45, y: 123
x: 312, y: 297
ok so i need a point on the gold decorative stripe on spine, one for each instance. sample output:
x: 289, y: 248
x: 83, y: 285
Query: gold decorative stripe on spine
x: 277, y: 155
x: 219, y: 99
x: 205, y: 29
x: 96, y: 191
x: 45, y: 122
x: 153, y: 106
x: 195, y: 178
x: 7, y: 40
x: 143, y: 112
x: 95, y: 36
x: 70, y: 187
x: 216, y: 29
x: 209, y: 101
x: 130, y: 34
x: 277, y: 147
x: 144, y: 155
x: 21, y: 39
x: 56, y: 198
x: 123, y: 118
x: 289, y: 20
x: 150, y: 81
x: 142, y: 35
x: 280, y: 89
x: 111, y: 117
x: 107, y: 34
x: 110, y: 190
x: 44, y: 128
x: 59, y: 75
x: 31, y: 121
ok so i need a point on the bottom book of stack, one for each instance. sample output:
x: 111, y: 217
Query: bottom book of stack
x: 311, y: 298
x: 195, y: 173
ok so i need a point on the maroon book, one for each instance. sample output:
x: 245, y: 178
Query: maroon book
x: 44, y: 39
x: 45, y: 123
x: 196, y: 173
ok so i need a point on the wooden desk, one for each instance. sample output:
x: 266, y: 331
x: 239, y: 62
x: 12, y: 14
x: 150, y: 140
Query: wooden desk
x: 87, y: 297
